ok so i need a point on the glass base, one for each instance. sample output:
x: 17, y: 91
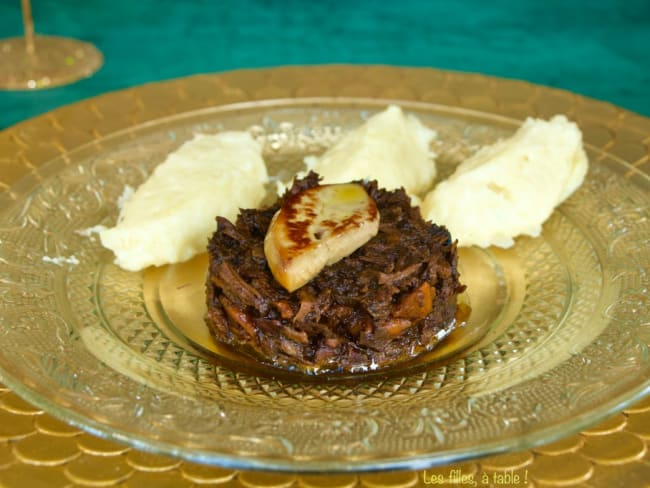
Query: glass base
x: 55, y: 61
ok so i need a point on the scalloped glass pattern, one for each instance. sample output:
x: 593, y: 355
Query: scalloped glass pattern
x: 557, y: 337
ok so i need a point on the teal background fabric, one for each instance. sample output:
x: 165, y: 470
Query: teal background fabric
x: 600, y: 49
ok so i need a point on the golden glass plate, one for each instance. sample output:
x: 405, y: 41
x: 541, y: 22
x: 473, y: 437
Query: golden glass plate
x: 557, y: 338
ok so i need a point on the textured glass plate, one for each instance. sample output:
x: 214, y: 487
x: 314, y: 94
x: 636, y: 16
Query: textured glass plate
x: 556, y: 340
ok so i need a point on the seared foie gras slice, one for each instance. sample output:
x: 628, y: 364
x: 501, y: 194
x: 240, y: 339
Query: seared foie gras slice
x: 318, y: 227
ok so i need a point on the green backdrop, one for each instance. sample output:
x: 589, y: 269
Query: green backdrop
x: 597, y: 48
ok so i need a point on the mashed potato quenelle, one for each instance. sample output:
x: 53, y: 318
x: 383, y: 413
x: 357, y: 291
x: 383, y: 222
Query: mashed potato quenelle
x: 171, y: 215
x: 390, y: 147
x: 511, y: 187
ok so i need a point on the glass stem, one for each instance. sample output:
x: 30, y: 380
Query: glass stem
x: 28, y: 25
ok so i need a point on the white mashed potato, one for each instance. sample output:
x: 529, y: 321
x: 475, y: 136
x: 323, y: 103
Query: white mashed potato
x: 170, y: 217
x: 511, y: 187
x: 390, y: 147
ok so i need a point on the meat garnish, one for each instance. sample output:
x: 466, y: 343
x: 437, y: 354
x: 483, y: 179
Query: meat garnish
x: 387, y: 302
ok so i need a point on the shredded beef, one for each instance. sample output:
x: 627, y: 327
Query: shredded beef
x: 387, y: 302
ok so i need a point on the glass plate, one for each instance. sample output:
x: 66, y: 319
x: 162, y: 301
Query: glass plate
x: 557, y: 338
